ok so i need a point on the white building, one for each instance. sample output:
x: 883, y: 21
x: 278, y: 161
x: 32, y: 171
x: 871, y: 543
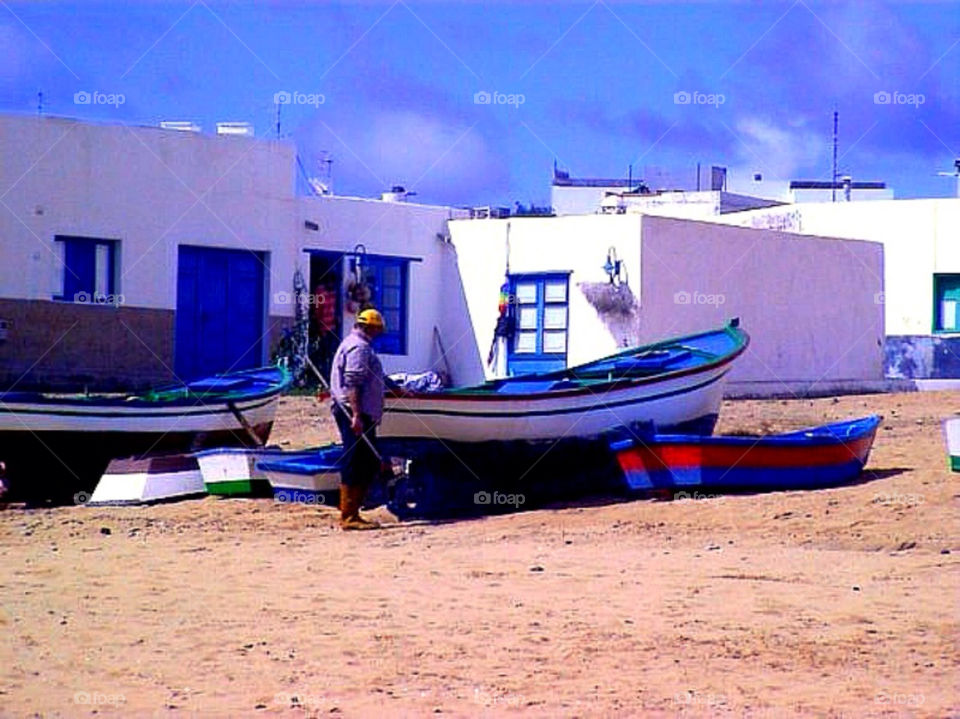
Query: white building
x: 845, y: 189
x: 696, y: 205
x: 921, y: 271
x: 808, y: 303
x: 134, y: 255
x: 583, y: 196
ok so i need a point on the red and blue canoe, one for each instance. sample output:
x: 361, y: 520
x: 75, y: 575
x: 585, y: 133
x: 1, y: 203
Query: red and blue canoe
x: 817, y: 457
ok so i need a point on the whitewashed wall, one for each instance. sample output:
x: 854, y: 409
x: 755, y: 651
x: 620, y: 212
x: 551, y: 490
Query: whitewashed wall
x: 155, y: 190
x: 577, y: 242
x: 570, y: 200
x: 151, y: 189
x: 919, y: 237
x: 405, y: 230
x: 808, y: 303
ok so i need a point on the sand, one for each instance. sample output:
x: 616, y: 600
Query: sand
x: 841, y: 602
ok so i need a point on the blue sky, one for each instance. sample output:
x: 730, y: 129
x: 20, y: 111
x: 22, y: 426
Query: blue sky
x: 593, y: 85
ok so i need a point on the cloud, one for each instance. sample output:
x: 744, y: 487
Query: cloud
x: 776, y: 150
x: 443, y: 160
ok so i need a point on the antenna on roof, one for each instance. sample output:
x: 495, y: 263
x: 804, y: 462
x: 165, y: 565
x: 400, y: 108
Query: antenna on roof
x: 836, y: 116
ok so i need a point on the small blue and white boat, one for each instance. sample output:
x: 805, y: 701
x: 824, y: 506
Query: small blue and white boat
x: 308, y: 477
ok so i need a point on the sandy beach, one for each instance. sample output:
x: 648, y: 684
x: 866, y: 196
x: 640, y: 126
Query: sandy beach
x: 835, y: 603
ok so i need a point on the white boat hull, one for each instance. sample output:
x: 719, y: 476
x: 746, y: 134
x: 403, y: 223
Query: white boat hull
x: 327, y: 481
x: 231, y: 464
x: 952, y: 429
x: 672, y: 402
x: 136, y: 419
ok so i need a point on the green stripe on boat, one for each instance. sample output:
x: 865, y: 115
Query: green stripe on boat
x: 239, y: 488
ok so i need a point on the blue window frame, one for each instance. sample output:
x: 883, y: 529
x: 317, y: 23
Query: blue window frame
x: 387, y: 278
x: 541, y: 306
x: 89, y: 268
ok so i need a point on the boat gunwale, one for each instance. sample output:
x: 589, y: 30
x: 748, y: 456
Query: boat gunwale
x: 13, y: 402
x: 742, y: 342
x: 786, y: 439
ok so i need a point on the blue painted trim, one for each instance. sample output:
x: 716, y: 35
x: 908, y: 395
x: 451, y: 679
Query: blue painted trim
x: 80, y: 268
x: 538, y: 361
x: 349, y: 253
x: 827, y: 434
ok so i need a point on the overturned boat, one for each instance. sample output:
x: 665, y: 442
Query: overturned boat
x: 673, y: 385
x: 145, y: 480
x: 56, y: 444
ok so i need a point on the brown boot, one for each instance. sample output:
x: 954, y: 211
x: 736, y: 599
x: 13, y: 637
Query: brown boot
x: 344, y: 503
x: 350, y: 518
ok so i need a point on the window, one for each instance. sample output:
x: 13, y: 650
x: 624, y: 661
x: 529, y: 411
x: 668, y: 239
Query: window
x: 89, y: 269
x: 540, y: 342
x: 387, y: 280
x: 946, y: 303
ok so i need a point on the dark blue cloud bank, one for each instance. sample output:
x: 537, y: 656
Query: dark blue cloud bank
x: 471, y: 103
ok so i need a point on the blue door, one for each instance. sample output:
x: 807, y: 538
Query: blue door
x: 219, y: 326
x: 541, y: 306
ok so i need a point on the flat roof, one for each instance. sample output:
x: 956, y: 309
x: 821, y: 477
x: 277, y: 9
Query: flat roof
x: 828, y: 185
x: 593, y: 182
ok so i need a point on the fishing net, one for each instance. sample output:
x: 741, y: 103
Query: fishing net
x: 618, y: 309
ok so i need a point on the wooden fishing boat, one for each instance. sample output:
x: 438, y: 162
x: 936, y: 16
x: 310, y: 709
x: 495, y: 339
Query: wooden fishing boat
x: 674, y: 385
x: 809, y: 458
x: 951, y: 428
x: 143, y: 480
x: 308, y: 477
x: 59, y: 444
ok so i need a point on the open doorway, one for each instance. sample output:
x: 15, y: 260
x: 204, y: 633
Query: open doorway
x: 326, y: 311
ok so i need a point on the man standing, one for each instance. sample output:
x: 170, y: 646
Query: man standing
x: 357, y: 385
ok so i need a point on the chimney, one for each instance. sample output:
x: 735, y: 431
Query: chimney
x: 397, y: 193
x: 182, y: 126
x: 847, y: 181
x: 241, y: 129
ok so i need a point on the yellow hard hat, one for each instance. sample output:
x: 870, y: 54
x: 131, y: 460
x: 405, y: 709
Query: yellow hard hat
x: 370, y: 317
